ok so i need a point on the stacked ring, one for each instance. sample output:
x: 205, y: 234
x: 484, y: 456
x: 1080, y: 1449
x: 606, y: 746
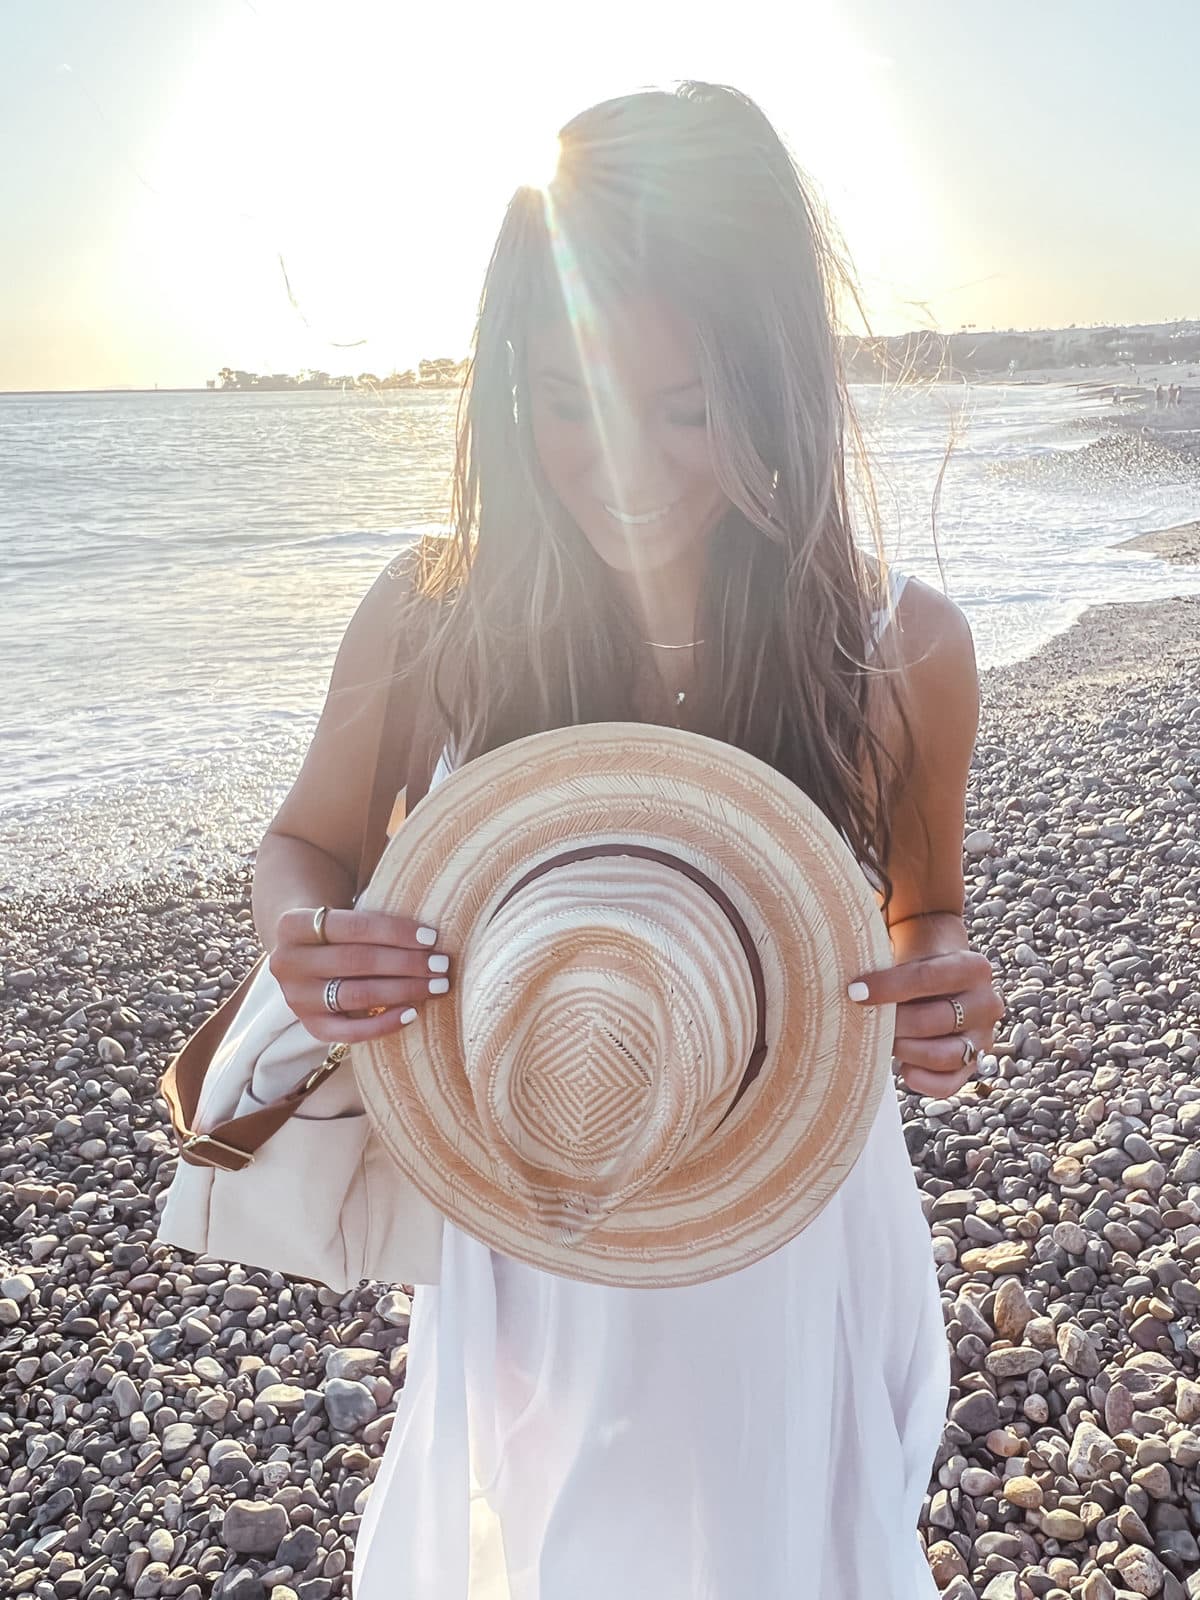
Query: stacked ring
x: 331, y: 996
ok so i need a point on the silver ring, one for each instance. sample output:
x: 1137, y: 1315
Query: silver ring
x: 959, y: 1017
x: 331, y: 996
x: 319, y: 916
x: 970, y: 1053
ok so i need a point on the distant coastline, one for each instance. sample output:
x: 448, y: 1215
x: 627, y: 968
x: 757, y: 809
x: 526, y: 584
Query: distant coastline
x: 1022, y: 355
x: 1119, y: 355
x: 443, y: 373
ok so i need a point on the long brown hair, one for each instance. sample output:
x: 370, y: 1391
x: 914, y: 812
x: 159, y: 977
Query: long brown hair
x: 690, y: 196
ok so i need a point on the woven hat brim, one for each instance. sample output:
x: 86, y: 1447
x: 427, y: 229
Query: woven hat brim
x: 778, y: 1158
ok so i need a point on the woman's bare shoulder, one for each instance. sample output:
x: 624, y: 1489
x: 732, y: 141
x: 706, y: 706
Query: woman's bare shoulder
x: 403, y: 599
x: 926, y: 657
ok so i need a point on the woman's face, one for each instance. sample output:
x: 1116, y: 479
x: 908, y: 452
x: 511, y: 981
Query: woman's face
x: 621, y: 432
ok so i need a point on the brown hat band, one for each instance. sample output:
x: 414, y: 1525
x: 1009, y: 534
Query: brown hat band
x: 732, y: 915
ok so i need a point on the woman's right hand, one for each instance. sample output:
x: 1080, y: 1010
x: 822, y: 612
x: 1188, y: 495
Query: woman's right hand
x: 389, y: 965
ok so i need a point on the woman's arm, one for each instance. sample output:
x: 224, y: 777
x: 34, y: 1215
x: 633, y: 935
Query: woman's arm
x: 310, y: 853
x: 386, y: 966
x: 933, y: 645
x: 937, y: 656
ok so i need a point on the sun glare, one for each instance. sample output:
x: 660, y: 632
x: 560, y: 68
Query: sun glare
x: 536, y: 163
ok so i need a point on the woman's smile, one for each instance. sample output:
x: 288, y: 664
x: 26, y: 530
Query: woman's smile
x: 639, y: 519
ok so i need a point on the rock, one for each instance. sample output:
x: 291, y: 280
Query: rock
x: 1118, y: 1408
x: 1012, y: 1310
x: 1155, y: 1480
x: 1011, y: 1256
x: 1023, y: 1492
x: 1147, y: 1332
x: 976, y: 1413
x: 351, y: 1362
x: 1077, y: 1350
x: 1003, y: 1442
x: 1145, y: 1175
x: 1012, y: 1363
x: 946, y: 1562
x: 1097, y: 1587
x: 241, y: 1297
x: 1187, y: 1400
x: 253, y: 1527
x: 941, y: 1512
x: 395, y: 1308
x: 283, y: 1396
x: 349, y: 1405
x: 1140, y: 1570
x: 1005, y: 1586
x: 125, y: 1395
x: 1064, y: 1525
x: 1131, y: 1527
x: 978, y: 1481
x: 1092, y: 1455
x: 1069, y: 1236
x: 298, y: 1549
x: 161, y: 1545
x: 240, y: 1584
x: 177, y: 1440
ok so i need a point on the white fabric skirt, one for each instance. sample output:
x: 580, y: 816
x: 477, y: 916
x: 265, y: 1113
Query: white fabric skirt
x: 766, y: 1435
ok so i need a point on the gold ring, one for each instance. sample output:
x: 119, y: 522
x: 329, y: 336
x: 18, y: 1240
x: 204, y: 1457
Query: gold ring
x: 959, y: 1017
x: 319, y: 916
x: 970, y: 1053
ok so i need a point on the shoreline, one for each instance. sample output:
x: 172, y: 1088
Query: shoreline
x: 1180, y: 545
x: 1062, y: 1188
x: 1109, y: 645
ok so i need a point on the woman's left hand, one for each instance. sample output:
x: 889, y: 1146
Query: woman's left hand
x: 928, y: 1045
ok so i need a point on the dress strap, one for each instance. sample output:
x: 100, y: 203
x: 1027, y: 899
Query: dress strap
x: 884, y: 614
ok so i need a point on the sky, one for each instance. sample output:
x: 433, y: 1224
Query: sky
x: 284, y: 184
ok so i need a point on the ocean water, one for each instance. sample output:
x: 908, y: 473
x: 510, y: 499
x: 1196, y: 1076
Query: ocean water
x: 176, y: 571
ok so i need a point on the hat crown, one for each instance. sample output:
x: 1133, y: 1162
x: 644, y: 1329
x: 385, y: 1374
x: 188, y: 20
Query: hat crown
x: 607, y: 1015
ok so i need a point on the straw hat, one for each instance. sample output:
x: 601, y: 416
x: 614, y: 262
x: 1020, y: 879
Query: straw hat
x: 647, y: 1071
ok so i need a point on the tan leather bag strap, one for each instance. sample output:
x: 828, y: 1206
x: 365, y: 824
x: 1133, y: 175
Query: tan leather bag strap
x: 231, y: 1144
x: 404, y: 760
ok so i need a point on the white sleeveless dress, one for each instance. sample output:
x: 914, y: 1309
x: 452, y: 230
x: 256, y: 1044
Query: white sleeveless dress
x: 766, y: 1436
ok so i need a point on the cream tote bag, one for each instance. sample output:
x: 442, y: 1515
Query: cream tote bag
x: 278, y: 1168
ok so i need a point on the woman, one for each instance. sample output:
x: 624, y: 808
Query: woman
x: 652, y: 524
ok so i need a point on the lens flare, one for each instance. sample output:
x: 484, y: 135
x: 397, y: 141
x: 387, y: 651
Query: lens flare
x: 537, y: 163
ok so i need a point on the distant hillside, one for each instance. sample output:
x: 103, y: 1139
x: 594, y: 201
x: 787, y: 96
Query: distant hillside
x: 444, y: 373
x: 972, y: 353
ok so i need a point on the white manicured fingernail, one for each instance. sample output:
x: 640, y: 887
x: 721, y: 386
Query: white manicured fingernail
x: 439, y: 963
x: 426, y: 935
x: 408, y: 1016
x: 439, y: 985
x: 858, y: 991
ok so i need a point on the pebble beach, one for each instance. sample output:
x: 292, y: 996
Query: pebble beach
x: 183, y: 1428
